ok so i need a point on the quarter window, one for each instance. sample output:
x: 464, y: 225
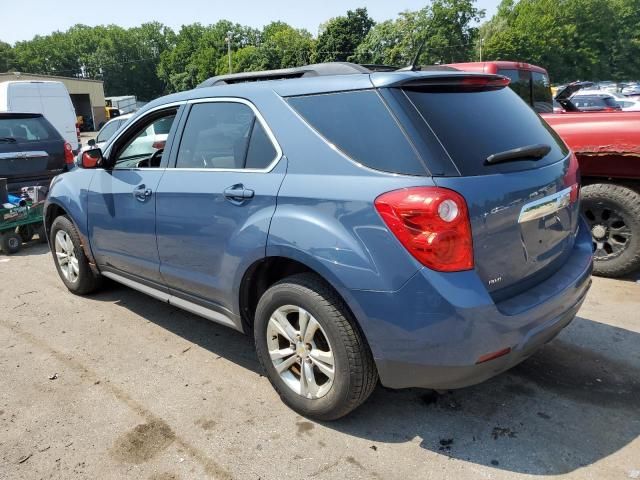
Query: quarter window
x: 359, y: 124
x: 224, y: 135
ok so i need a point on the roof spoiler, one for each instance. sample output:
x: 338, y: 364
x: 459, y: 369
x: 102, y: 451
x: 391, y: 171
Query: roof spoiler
x: 315, y: 70
x: 447, y: 81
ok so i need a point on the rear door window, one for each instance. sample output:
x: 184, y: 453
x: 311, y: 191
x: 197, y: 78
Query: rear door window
x: 361, y: 126
x: 472, y: 125
x: 225, y: 135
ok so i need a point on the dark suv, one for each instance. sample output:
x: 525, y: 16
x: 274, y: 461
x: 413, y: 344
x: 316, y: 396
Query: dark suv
x: 32, y: 151
x: 420, y: 228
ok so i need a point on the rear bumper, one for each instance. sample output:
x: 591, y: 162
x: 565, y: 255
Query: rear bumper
x: 432, y: 332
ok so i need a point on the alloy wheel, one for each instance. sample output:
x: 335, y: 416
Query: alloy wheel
x: 66, y: 256
x: 300, y: 351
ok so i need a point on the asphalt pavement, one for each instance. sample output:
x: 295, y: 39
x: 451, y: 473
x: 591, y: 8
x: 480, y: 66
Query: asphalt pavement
x: 119, y: 385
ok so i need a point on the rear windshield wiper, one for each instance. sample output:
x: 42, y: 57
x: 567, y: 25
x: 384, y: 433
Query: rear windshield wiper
x: 8, y: 139
x: 529, y: 152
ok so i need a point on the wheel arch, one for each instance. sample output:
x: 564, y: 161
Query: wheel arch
x: 54, y: 210
x: 265, y: 272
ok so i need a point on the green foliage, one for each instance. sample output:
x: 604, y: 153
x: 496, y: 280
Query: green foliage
x: 446, y: 27
x: 573, y: 39
x: 341, y: 36
x: 585, y: 39
x: 6, y: 57
x: 126, y: 59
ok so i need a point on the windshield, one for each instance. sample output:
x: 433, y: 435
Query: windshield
x: 108, y: 130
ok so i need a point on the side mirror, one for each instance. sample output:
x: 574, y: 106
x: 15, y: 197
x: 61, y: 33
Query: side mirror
x: 92, y: 142
x: 90, y: 158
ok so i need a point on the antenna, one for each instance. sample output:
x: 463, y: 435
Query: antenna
x: 414, y: 63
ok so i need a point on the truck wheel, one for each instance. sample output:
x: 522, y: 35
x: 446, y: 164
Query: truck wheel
x: 11, y: 243
x: 313, y: 352
x: 613, y: 214
x: 71, y: 262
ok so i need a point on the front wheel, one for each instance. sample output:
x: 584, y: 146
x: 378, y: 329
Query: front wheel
x: 68, y: 255
x: 313, y: 352
x: 613, y: 214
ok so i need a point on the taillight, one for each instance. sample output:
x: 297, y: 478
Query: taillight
x: 68, y: 154
x: 572, y: 178
x: 432, y: 223
x: 159, y: 144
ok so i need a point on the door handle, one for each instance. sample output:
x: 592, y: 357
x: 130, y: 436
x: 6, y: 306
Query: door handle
x: 141, y: 192
x: 237, y: 193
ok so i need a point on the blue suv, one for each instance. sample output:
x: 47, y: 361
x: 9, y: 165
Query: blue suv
x: 420, y: 228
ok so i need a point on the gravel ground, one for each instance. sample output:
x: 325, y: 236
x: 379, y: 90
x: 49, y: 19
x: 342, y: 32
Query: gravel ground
x: 118, y: 385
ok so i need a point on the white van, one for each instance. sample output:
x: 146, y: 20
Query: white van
x: 48, y: 98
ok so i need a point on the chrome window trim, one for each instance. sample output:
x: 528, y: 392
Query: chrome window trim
x: 545, y: 206
x: 256, y: 112
x: 262, y: 121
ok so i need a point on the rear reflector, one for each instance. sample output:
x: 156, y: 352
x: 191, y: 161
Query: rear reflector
x: 68, y: 153
x: 433, y: 225
x: 572, y: 178
x: 494, y: 355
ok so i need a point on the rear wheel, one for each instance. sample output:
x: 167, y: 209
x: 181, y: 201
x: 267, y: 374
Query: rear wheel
x: 613, y: 214
x: 71, y: 262
x: 313, y: 352
x: 11, y: 243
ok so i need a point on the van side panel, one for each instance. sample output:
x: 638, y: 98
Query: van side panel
x: 49, y: 98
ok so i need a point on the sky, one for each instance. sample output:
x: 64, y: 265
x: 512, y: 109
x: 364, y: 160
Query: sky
x: 22, y: 20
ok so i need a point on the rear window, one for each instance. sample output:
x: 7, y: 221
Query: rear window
x: 360, y: 125
x: 541, y: 91
x: 472, y: 125
x: 520, y: 82
x: 27, y: 129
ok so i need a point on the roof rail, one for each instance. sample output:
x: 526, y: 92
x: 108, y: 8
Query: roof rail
x: 315, y: 70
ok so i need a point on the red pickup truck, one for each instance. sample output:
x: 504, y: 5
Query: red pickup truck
x: 608, y: 149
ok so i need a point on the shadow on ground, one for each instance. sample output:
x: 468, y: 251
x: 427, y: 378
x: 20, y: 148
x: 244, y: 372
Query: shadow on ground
x: 574, y: 402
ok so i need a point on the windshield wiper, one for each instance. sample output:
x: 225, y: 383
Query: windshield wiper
x: 529, y: 152
x: 8, y: 139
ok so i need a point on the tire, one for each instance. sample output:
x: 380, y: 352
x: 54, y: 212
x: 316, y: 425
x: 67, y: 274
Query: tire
x: 26, y: 232
x: 41, y: 233
x: 11, y: 243
x: 613, y: 214
x: 354, y: 372
x: 79, y: 279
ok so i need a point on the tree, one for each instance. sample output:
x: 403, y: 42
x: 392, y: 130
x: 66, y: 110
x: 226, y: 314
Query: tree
x: 572, y: 39
x: 447, y: 28
x: 341, y: 36
x: 197, y: 52
x: 6, y: 57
